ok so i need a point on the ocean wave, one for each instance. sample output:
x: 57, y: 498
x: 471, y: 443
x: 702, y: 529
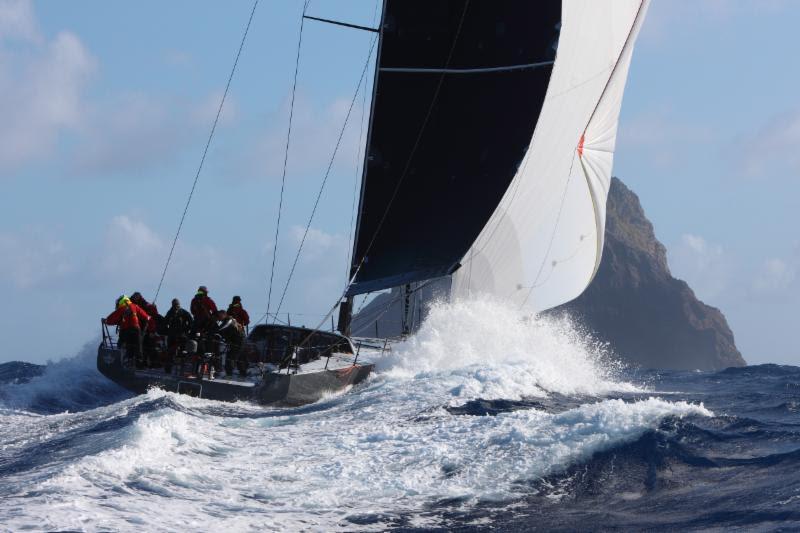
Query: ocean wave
x: 538, y: 427
x: 483, y: 349
x: 71, y: 384
x: 320, y: 467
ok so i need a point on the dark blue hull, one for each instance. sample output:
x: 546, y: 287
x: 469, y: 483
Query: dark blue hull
x: 274, y: 388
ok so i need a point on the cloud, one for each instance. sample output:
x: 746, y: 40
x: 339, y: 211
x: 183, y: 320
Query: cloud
x: 318, y: 243
x: 663, y: 136
x: 321, y: 270
x: 45, y: 99
x: 177, y: 58
x: 43, y: 92
x: 203, y: 113
x: 18, y: 22
x: 131, y: 132
x: 33, y: 258
x: 134, y: 254
x: 774, y: 275
x: 773, y: 151
x: 702, y: 264
x: 664, y: 17
x: 315, y: 130
x: 137, y: 132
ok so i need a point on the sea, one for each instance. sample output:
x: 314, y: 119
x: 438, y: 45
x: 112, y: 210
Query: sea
x: 481, y: 421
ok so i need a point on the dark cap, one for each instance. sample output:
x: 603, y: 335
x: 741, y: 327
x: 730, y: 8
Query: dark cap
x: 237, y: 298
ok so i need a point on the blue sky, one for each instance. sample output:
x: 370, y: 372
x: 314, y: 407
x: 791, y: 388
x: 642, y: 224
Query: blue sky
x: 106, y: 108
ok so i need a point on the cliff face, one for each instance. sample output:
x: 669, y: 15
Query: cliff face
x: 649, y: 318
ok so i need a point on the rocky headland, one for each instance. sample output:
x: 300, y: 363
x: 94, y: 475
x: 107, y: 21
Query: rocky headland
x: 649, y: 318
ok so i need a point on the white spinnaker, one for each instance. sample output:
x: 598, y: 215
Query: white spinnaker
x: 543, y: 244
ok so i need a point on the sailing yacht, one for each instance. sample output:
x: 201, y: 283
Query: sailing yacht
x: 487, y: 164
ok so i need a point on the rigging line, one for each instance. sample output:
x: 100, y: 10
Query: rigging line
x: 355, y: 184
x: 325, y: 179
x: 386, y: 308
x: 205, y: 151
x: 402, y: 176
x: 369, y: 314
x: 363, y: 302
x: 285, y: 160
x: 359, y: 161
x: 636, y: 20
x: 416, y: 143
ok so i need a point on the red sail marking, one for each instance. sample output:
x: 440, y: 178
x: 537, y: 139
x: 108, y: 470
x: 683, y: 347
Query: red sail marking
x: 580, y: 145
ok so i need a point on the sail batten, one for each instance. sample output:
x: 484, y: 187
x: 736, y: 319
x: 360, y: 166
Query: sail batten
x: 476, y: 70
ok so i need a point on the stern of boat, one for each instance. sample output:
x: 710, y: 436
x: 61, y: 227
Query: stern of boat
x: 111, y: 358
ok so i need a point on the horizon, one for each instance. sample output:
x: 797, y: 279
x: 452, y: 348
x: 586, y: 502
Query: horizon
x: 108, y: 109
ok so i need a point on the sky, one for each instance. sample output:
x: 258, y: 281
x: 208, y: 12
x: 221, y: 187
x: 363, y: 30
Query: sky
x: 105, y: 109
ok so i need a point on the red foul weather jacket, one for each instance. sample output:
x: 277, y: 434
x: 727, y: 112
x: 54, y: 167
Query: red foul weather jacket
x: 130, y: 316
x: 238, y: 312
x: 203, y: 309
x: 152, y: 311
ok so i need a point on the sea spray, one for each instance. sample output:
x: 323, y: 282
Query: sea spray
x: 500, y: 353
x: 70, y: 384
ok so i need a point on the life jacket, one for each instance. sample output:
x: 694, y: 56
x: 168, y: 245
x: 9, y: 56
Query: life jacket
x: 128, y: 316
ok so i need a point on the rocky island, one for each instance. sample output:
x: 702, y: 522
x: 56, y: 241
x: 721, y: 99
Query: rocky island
x: 649, y: 318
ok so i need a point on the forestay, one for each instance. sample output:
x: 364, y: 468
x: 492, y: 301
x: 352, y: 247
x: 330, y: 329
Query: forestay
x: 543, y: 243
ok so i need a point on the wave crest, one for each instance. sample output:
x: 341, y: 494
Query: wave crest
x: 500, y: 354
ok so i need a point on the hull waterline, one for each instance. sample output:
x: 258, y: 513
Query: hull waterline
x: 273, y: 388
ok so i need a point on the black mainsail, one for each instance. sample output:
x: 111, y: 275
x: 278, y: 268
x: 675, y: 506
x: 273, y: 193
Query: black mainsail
x: 459, y: 88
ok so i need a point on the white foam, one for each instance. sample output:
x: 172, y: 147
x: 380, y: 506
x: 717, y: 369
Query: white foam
x: 175, y: 470
x: 388, y: 447
x: 69, y: 384
x: 495, y: 353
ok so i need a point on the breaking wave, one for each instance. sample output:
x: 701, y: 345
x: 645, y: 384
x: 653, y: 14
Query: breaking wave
x: 71, y: 384
x: 490, y: 352
x: 83, y: 454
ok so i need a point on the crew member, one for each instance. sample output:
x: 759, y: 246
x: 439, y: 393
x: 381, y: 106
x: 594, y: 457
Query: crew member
x: 238, y: 312
x: 149, y: 308
x: 203, y: 310
x: 233, y: 334
x: 178, y: 325
x: 149, y: 339
x: 130, y: 318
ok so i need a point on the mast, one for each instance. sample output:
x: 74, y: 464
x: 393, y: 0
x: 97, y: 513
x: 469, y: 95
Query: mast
x: 346, y: 307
